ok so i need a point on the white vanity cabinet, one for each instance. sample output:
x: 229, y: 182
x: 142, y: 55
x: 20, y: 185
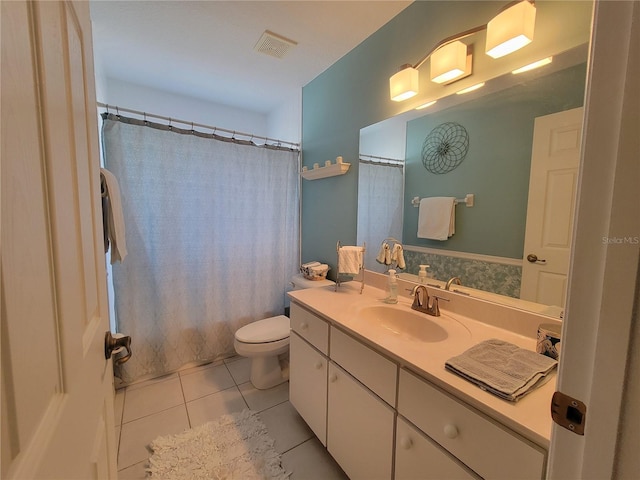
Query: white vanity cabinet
x: 359, y: 428
x: 308, y: 385
x: 308, y: 367
x: 381, y: 421
x: 417, y: 456
x: 488, y: 448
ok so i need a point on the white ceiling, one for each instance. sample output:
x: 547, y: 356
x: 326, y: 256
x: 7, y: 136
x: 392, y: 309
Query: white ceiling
x: 204, y: 49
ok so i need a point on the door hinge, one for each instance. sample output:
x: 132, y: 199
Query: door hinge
x: 568, y: 412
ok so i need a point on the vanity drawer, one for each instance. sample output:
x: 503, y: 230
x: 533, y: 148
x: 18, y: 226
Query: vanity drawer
x: 310, y: 327
x: 490, y: 450
x: 372, y: 369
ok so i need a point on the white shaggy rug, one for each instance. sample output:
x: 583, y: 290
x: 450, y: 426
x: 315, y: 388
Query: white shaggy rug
x: 234, y: 447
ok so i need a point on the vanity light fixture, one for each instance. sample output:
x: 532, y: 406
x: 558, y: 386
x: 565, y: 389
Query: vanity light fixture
x: 511, y: 29
x: 470, y: 89
x: 404, y: 84
x: 426, y: 105
x: 534, y: 65
x: 508, y: 31
x: 450, y: 62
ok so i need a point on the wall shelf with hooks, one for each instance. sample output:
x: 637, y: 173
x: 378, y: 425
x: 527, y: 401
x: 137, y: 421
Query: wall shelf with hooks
x: 329, y: 170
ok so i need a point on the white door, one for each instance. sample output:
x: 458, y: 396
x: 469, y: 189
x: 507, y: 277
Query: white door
x: 57, y: 387
x: 552, y: 192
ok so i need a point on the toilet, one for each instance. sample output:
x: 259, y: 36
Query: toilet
x: 266, y: 340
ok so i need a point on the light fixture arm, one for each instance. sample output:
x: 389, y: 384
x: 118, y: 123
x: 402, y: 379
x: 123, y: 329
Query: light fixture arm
x: 461, y: 35
x: 448, y: 40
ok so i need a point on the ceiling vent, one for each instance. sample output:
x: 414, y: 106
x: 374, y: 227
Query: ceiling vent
x: 274, y: 45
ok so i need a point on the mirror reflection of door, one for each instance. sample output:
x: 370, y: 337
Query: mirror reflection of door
x: 552, y: 191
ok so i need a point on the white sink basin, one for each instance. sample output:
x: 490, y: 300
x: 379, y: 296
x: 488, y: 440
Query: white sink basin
x: 408, y: 324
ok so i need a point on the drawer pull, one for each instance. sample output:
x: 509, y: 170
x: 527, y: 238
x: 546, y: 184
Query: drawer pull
x: 318, y: 365
x: 450, y: 431
x: 406, y: 443
x: 304, y: 326
x: 333, y: 378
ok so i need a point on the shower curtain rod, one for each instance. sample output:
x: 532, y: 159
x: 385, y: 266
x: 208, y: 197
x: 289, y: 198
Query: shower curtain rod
x: 234, y: 133
x: 380, y: 160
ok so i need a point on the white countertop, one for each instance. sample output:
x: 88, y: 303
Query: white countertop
x: 530, y: 416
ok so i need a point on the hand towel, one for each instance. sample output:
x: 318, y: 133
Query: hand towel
x: 114, y: 221
x: 381, y: 253
x: 349, y: 260
x: 437, y: 218
x: 502, y: 368
x: 397, y: 256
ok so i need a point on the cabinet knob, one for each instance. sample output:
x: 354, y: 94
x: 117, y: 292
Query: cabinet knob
x: 451, y: 431
x: 318, y: 365
x: 304, y: 325
x: 406, y: 443
x: 333, y: 378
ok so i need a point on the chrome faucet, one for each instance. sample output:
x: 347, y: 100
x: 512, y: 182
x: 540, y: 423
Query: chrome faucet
x: 451, y: 281
x: 422, y: 302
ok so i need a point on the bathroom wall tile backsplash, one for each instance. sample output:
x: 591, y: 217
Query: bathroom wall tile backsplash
x: 488, y: 276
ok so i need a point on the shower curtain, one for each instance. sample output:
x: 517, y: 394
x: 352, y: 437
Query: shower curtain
x: 212, y: 234
x: 380, y: 197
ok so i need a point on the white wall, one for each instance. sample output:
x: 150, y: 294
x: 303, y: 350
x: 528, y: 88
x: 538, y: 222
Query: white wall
x: 191, y: 109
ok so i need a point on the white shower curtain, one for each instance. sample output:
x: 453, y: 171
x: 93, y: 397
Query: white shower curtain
x: 380, y: 197
x: 212, y: 233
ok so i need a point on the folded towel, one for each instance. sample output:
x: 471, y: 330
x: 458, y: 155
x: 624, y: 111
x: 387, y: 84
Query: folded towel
x: 350, y: 260
x: 437, y: 218
x: 397, y: 255
x: 387, y: 255
x: 380, y: 257
x: 502, y: 368
x: 112, y: 216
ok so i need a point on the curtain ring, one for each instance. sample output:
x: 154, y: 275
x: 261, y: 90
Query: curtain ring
x: 192, y: 130
x: 145, y: 118
x: 117, y: 112
x: 170, y: 127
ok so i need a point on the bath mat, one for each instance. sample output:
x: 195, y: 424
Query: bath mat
x: 234, y: 447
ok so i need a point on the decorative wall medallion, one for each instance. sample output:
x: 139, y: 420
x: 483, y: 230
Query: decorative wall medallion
x: 445, y: 148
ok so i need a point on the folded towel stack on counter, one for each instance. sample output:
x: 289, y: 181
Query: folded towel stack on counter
x: 502, y: 368
x: 314, y: 270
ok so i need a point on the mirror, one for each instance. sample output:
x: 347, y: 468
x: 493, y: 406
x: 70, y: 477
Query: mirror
x: 487, y: 249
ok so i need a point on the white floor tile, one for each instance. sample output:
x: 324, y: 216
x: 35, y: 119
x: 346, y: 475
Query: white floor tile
x: 134, y: 472
x: 211, y: 407
x: 205, y: 381
x: 240, y: 368
x: 285, y: 426
x: 146, y: 399
x: 311, y: 461
x: 259, y: 400
x: 136, y: 435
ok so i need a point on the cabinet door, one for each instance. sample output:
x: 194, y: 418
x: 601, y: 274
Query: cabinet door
x: 418, y: 457
x: 359, y: 428
x: 308, y: 385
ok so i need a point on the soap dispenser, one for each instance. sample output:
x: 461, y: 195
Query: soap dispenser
x: 422, y: 274
x: 392, y: 296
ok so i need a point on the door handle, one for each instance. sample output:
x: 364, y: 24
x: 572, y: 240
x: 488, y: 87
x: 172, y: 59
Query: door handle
x: 533, y: 258
x: 111, y: 343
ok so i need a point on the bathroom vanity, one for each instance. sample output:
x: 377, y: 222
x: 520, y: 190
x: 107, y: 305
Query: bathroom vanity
x: 369, y: 379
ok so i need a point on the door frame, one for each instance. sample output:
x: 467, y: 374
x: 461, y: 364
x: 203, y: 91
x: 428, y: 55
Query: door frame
x: 603, y: 282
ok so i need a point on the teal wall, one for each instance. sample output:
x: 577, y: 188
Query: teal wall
x: 354, y: 93
x: 496, y: 167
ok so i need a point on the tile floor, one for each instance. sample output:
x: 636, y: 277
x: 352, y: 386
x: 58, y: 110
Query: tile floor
x: 198, y: 395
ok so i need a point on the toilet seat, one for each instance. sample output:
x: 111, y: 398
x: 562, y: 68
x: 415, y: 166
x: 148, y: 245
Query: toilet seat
x: 268, y: 330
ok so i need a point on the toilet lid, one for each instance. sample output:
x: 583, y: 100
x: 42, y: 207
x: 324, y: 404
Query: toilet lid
x: 268, y: 330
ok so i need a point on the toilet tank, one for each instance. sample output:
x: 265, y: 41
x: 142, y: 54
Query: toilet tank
x: 298, y: 282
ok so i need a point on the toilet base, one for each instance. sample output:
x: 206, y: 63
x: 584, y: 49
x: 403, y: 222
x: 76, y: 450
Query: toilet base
x: 266, y: 372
